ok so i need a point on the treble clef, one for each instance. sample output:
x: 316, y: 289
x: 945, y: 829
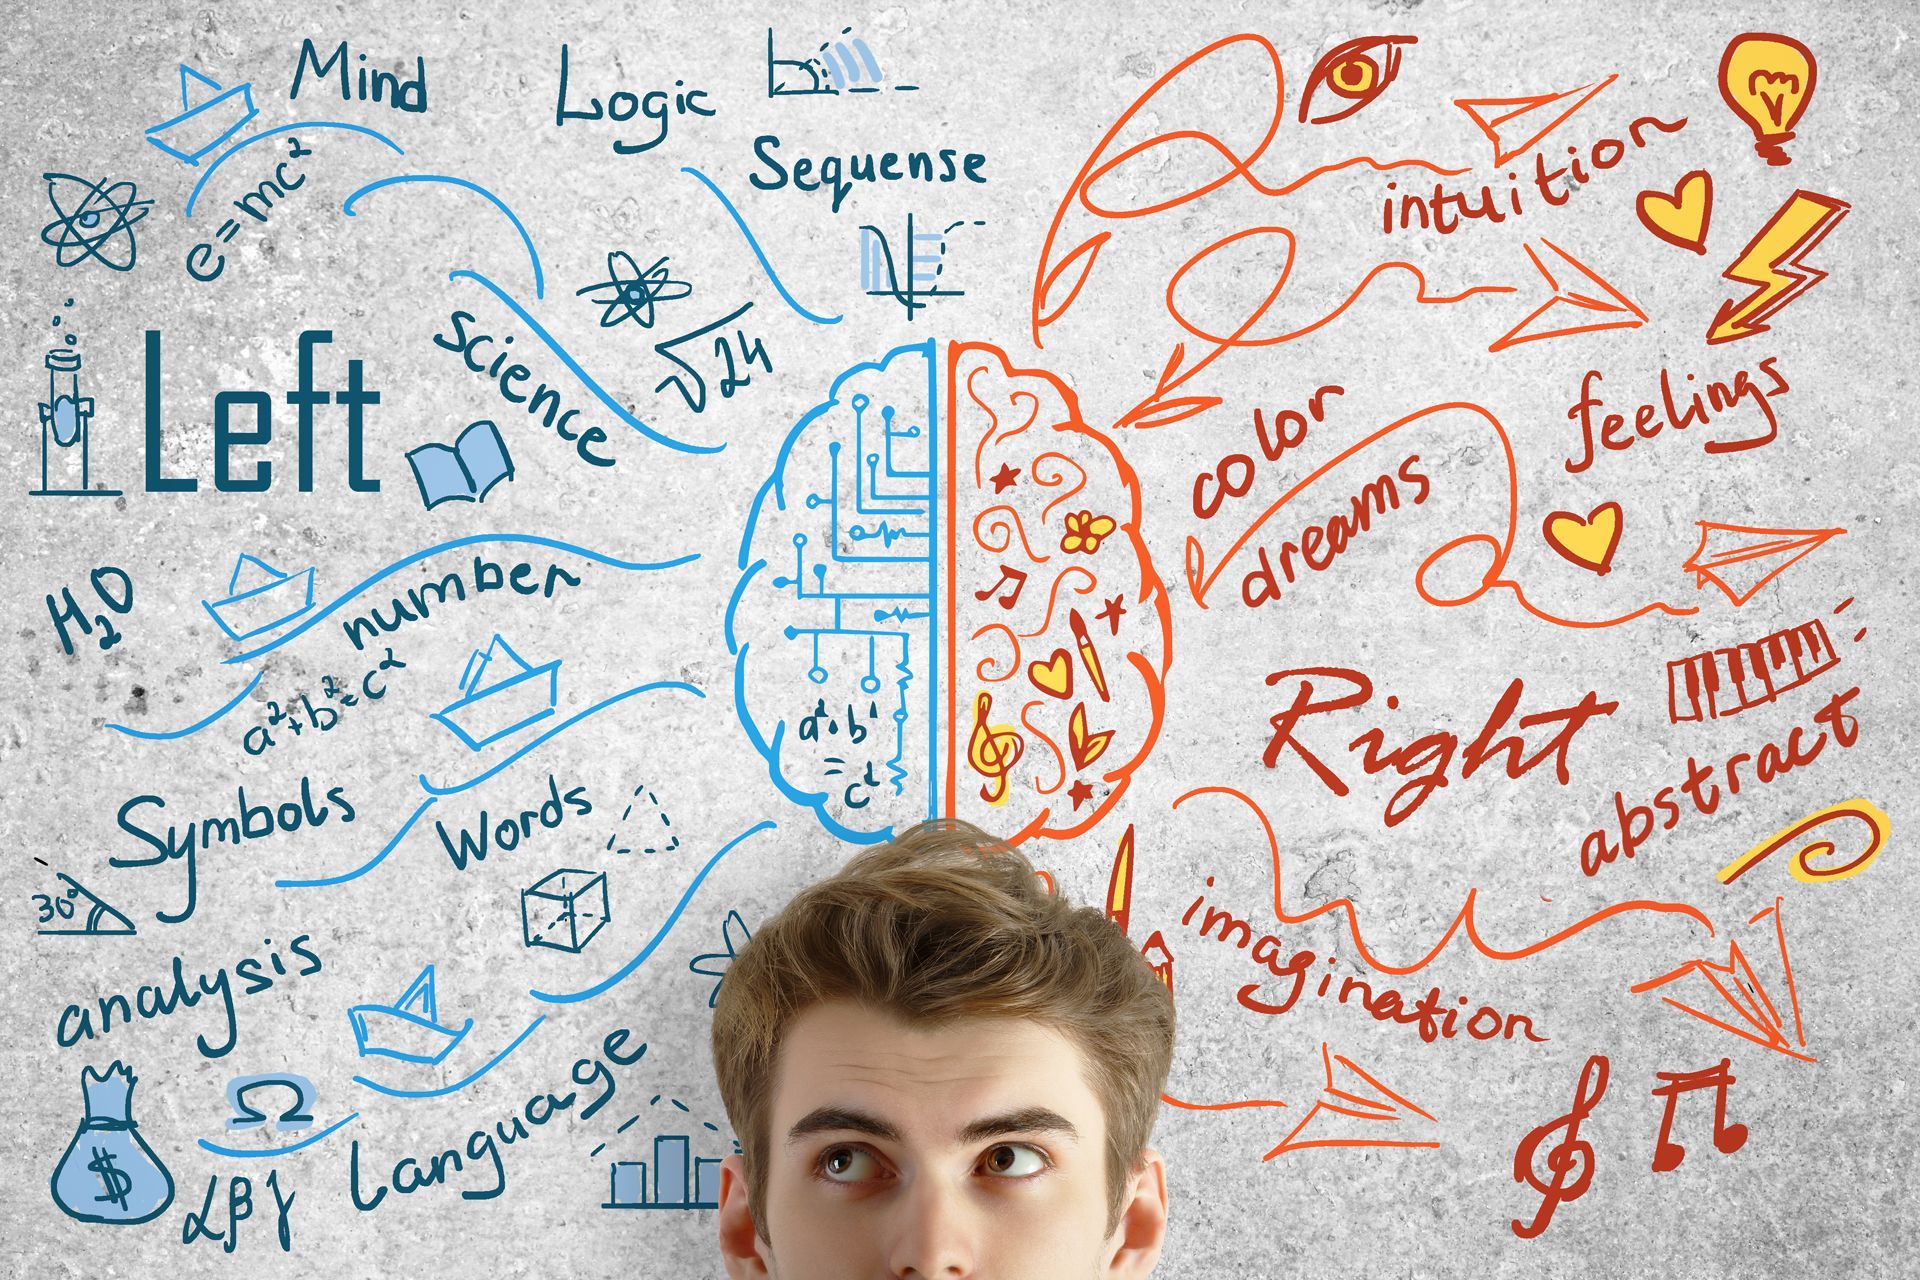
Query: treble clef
x: 1572, y: 1155
x: 991, y: 752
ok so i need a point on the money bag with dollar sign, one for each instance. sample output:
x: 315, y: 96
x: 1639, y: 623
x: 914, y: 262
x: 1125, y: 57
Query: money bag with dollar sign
x: 109, y: 1173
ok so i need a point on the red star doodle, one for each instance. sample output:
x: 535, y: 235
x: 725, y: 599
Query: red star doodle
x: 1112, y: 614
x: 1079, y: 793
x: 1004, y: 478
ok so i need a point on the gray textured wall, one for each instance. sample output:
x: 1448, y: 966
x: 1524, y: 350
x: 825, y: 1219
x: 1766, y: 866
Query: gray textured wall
x: 1825, y: 1177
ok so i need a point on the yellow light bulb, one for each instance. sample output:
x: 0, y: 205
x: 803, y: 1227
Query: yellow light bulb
x: 1767, y: 80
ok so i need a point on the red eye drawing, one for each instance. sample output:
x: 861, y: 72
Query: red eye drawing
x: 1356, y: 73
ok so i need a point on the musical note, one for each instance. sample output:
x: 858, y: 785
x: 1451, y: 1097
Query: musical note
x: 1571, y: 1153
x: 1017, y: 582
x: 1727, y: 1138
x: 1088, y: 654
x: 992, y: 750
x: 118, y: 1186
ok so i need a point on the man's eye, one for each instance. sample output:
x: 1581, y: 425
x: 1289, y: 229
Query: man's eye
x: 836, y: 1162
x: 1004, y: 1159
x: 1355, y: 73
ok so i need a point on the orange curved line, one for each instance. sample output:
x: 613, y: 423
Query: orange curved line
x: 1313, y: 175
x: 1075, y: 188
x: 1658, y: 606
x: 1053, y: 597
x: 1090, y: 249
x: 1058, y: 759
x: 1237, y: 168
x: 1157, y: 701
x: 1420, y: 296
x: 1016, y: 527
x: 1033, y: 471
x: 980, y: 667
x: 1465, y: 917
x: 993, y: 425
x: 1184, y: 1105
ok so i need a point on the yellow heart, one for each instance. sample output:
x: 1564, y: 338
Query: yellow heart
x: 1054, y: 676
x: 1587, y: 542
x: 1681, y: 218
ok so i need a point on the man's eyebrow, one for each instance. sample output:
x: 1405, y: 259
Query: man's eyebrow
x: 1021, y: 1120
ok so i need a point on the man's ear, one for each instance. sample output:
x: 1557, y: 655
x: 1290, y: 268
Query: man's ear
x: 740, y: 1248
x: 1143, y: 1221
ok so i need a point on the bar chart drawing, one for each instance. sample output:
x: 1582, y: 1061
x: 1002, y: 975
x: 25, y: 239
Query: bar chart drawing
x: 680, y: 1181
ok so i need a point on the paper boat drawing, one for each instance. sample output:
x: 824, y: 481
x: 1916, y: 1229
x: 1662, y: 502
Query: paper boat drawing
x: 408, y: 1029
x: 260, y: 597
x: 203, y: 125
x: 500, y: 694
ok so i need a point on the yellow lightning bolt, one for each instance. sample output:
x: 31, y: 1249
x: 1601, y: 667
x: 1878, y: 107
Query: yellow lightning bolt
x: 1772, y: 263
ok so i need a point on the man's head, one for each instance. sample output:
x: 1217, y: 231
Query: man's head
x: 937, y: 1068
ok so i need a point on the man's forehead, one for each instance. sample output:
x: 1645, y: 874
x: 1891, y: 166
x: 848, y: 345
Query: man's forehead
x: 844, y: 1066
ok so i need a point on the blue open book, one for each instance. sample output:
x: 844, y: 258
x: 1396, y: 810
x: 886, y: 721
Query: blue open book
x: 465, y: 470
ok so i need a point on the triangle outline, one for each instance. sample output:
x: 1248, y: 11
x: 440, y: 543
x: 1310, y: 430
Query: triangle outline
x: 1792, y: 544
x: 1526, y: 104
x: 1384, y: 1106
x: 1614, y: 303
x: 96, y: 916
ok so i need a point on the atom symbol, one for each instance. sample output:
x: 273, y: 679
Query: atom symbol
x: 633, y: 291
x: 100, y: 224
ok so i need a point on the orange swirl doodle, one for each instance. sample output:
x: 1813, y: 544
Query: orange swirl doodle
x: 1059, y: 478
x: 985, y: 666
x: 1006, y: 523
x: 1801, y: 865
x: 1053, y: 597
x: 992, y: 432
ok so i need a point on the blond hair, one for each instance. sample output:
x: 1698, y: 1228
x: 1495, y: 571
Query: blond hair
x: 945, y: 922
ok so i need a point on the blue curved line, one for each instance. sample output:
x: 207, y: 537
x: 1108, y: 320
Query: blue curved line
x: 539, y: 276
x: 758, y: 252
x: 457, y: 1085
x: 555, y: 732
x: 154, y: 735
x: 613, y: 406
x: 621, y: 974
x: 367, y: 866
x: 529, y: 539
x: 285, y: 128
x: 260, y: 1153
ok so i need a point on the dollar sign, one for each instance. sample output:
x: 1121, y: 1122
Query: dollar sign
x: 117, y: 1183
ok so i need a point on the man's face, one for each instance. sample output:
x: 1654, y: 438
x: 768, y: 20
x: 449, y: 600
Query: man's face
x: 976, y: 1152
